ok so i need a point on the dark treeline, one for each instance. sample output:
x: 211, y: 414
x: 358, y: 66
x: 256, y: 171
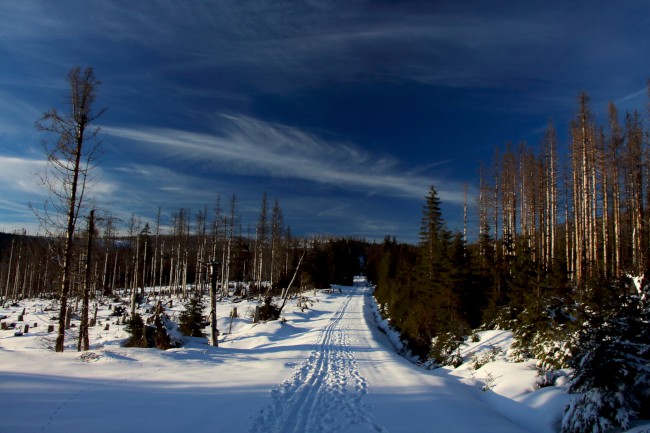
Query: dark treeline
x: 435, y: 292
x: 557, y: 230
x: 174, y: 258
x: 562, y: 234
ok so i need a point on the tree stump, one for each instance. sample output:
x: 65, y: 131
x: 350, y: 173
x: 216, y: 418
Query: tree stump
x: 4, y: 326
x: 21, y: 317
x: 233, y: 314
x: 26, y: 329
x: 256, y: 318
x: 50, y: 328
x: 106, y: 327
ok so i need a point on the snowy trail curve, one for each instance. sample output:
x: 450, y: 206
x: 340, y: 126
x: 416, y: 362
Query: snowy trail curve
x: 352, y: 381
x: 325, y: 394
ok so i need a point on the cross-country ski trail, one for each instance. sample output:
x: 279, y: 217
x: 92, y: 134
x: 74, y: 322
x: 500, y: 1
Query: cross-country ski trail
x: 352, y: 381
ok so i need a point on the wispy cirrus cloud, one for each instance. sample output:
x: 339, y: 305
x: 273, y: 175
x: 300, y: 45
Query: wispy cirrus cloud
x: 19, y: 186
x: 247, y: 146
x: 283, y: 46
x: 291, y: 44
x: 18, y: 175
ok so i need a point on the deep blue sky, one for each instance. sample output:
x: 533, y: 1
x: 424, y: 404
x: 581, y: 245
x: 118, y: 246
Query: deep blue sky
x: 345, y: 111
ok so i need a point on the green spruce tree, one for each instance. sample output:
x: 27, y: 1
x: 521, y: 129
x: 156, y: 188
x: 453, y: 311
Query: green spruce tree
x: 191, y: 321
x: 440, y: 320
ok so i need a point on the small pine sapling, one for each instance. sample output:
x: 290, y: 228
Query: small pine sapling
x: 136, y: 328
x: 190, y: 321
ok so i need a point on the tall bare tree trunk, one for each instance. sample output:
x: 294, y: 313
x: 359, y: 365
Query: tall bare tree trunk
x: 84, y: 343
x: 214, y: 333
x: 11, y: 257
x: 69, y: 162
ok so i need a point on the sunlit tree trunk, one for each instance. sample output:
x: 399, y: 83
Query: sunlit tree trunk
x: 84, y: 343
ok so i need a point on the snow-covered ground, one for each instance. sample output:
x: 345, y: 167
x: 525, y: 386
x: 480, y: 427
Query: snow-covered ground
x: 324, y: 369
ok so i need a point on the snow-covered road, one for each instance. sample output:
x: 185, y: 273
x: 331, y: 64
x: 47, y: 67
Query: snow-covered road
x: 325, y: 393
x: 326, y: 369
x: 352, y: 381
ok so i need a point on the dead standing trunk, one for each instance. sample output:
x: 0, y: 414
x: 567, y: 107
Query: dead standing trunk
x: 286, y: 293
x: 84, y: 343
x: 214, y: 333
x: 69, y: 239
x: 70, y: 154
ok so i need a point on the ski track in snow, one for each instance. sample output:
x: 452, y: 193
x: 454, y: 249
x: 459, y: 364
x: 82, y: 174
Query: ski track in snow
x: 325, y: 393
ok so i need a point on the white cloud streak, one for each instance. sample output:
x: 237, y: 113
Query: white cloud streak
x: 19, y: 175
x: 289, y: 44
x: 252, y: 147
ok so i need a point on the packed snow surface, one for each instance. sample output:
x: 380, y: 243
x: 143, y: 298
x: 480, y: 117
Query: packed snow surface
x: 326, y: 368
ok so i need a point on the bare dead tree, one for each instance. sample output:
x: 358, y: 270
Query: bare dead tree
x: 71, y: 149
x: 214, y: 276
x: 84, y: 343
x: 262, y: 237
x: 232, y: 222
x: 11, y: 256
x: 285, y: 295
